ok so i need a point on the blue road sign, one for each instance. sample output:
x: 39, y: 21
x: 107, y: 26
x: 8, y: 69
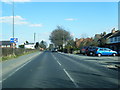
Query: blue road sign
x: 13, y: 40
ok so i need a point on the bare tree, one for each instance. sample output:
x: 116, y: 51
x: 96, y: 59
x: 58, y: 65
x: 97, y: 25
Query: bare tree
x: 60, y: 36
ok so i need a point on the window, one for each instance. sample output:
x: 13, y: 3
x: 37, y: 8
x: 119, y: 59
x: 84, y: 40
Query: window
x: 111, y: 39
x: 119, y: 39
x: 106, y: 49
x: 101, y: 49
x: 8, y: 45
x: 115, y: 38
x: 3, y: 45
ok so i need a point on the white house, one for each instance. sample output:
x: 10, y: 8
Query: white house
x: 29, y: 46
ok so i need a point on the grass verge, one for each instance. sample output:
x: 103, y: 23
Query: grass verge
x: 4, y: 58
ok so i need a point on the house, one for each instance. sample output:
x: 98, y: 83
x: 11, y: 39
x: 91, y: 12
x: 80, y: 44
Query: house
x: 78, y: 41
x: 105, y: 38
x: 97, y: 37
x: 29, y: 46
x: 7, y: 44
x: 114, y: 42
x: 111, y: 40
x: 115, y: 38
x: 82, y: 41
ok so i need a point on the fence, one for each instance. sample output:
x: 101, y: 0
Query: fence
x: 10, y: 51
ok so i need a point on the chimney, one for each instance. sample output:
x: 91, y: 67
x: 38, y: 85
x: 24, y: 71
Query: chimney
x: 76, y: 39
x: 113, y: 30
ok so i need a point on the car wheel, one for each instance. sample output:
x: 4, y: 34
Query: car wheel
x: 99, y: 55
x: 114, y: 54
x: 91, y: 53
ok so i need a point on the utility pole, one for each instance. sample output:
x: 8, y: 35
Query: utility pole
x: 34, y: 37
x: 63, y: 42
x: 13, y: 24
x: 13, y: 18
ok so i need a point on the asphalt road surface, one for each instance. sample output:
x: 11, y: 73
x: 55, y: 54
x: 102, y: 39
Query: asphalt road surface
x: 56, y: 70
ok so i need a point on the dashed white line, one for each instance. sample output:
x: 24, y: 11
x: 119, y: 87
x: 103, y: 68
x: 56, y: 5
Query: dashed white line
x: 56, y: 60
x: 66, y: 72
x: 59, y: 63
x: 18, y: 68
x: 71, y: 78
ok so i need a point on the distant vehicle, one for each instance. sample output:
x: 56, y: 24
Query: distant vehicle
x: 104, y: 51
x: 83, y: 50
x: 54, y: 50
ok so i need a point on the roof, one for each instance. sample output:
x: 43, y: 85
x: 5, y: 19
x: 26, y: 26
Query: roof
x: 29, y: 44
x: 5, y: 43
x: 109, y: 35
x: 116, y: 34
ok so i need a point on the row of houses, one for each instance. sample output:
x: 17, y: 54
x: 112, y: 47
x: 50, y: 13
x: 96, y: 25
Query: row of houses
x: 110, y: 40
x: 8, y: 44
x: 113, y: 40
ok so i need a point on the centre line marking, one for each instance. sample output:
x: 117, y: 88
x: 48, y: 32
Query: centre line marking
x: 71, y: 78
x: 56, y: 60
x: 59, y: 63
x: 66, y: 73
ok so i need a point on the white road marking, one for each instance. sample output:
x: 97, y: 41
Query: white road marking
x: 66, y: 72
x: 111, y: 66
x: 57, y: 60
x: 71, y: 78
x: 59, y: 63
x: 19, y: 68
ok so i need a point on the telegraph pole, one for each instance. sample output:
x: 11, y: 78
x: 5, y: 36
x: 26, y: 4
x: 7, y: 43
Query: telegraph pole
x: 13, y: 18
x: 13, y: 24
x: 34, y: 37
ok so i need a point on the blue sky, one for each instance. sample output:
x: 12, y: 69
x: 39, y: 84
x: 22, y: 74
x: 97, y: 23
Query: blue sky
x: 79, y: 18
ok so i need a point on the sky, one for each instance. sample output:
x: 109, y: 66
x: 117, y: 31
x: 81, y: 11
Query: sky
x: 79, y: 18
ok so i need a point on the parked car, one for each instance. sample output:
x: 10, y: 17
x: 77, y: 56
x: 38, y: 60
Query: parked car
x: 90, y: 50
x: 104, y: 51
x: 83, y: 50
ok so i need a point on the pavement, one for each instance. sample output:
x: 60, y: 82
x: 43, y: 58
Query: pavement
x: 59, y: 70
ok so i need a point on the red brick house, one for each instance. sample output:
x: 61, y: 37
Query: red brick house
x: 78, y: 42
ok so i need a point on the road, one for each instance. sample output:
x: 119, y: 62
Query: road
x: 56, y: 70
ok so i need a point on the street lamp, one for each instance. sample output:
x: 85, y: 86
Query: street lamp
x: 13, y: 17
x: 13, y: 23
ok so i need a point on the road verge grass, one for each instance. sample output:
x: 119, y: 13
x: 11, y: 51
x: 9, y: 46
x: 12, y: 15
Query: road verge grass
x: 12, y: 56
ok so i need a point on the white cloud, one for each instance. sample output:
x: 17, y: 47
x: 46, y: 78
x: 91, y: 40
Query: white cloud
x: 70, y: 19
x: 9, y: 19
x: 18, y: 20
x: 35, y: 25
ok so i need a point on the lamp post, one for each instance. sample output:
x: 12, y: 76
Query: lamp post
x: 34, y: 37
x: 13, y: 24
x: 13, y: 17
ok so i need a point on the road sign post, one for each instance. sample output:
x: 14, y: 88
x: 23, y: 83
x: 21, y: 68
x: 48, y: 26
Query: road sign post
x: 14, y: 41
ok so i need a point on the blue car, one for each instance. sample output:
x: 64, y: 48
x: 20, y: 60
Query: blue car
x: 104, y: 51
